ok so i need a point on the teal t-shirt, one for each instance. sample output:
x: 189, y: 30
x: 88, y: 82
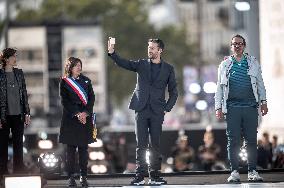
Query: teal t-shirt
x: 240, y: 93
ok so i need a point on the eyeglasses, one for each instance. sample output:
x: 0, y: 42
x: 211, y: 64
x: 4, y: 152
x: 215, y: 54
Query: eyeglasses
x: 237, y: 44
x: 154, y: 40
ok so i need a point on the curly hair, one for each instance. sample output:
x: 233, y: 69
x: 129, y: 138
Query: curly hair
x: 5, y: 54
x: 69, y: 64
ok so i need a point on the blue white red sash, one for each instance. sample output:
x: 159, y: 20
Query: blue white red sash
x: 77, y: 89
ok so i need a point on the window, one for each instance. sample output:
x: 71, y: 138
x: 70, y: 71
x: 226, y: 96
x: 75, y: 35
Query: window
x: 34, y: 80
x: 87, y: 52
x: 30, y: 55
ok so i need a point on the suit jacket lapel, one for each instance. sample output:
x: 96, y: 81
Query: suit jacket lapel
x: 149, y: 70
x: 161, y: 70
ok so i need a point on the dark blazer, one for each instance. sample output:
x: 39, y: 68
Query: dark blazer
x: 3, y: 94
x: 73, y: 132
x: 145, y: 88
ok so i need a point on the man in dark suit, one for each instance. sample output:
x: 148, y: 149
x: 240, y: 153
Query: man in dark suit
x: 148, y: 100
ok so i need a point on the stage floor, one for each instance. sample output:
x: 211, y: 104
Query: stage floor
x: 271, y: 179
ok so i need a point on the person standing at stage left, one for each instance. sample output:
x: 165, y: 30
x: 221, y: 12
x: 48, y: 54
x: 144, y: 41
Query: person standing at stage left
x: 77, y: 99
x: 14, y: 111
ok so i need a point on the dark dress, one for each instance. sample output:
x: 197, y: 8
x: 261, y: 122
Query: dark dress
x: 72, y: 132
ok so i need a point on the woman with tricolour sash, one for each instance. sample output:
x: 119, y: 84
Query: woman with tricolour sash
x: 77, y: 99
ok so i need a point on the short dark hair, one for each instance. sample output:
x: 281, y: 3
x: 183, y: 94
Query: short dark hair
x: 6, y: 53
x: 159, y: 42
x: 69, y: 64
x: 241, y: 37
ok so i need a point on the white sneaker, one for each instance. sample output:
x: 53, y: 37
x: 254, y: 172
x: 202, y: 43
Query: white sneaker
x: 254, y: 176
x: 234, y: 177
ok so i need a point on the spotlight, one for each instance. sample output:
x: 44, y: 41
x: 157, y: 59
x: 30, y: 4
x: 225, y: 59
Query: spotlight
x: 97, y: 144
x: 45, y: 144
x: 49, y: 163
x: 170, y: 161
x: 25, y: 150
x: 98, y: 169
x: 243, y: 154
x: 168, y: 170
x: 148, y: 157
x: 96, y: 155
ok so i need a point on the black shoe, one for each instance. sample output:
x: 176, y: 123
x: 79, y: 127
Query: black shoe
x: 138, y: 180
x: 157, y: 181
x: 83, y: 181
x: 72, y: 182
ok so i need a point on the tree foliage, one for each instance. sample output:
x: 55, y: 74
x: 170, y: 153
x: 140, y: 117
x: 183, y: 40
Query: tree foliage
x: 127, y: 21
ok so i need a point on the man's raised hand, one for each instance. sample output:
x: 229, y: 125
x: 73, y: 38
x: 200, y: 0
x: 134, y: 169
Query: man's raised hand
x: 111, y: 43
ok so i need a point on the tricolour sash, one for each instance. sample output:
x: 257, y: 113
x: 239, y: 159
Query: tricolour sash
x: 77, y: 89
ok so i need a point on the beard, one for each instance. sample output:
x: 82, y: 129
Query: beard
x: 238, y: 51
x: 152, y: 56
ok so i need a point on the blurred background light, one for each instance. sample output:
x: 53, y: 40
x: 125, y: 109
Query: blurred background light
x: 42, y: 135
x: 209, y: 87
x: 45, y: 144
x: 148, y: 156
x: 96, y: 155
x: 97, y: 144
x: 194, y: 88
x: 98, y: 169
x: 201, y: 105
x: 242, y: 6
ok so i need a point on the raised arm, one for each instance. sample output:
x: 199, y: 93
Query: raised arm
x: 126, y: 64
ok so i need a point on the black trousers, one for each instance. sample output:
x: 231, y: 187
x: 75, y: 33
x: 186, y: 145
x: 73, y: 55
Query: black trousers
x: 16, y: 125
x: 83, y: 159
x: 148, y: 130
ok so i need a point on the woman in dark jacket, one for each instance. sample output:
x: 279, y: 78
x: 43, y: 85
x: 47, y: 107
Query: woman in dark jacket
x: 77, y: 98
x: 14, y: 110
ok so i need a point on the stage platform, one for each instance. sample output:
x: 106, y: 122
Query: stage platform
x: 183, y: 179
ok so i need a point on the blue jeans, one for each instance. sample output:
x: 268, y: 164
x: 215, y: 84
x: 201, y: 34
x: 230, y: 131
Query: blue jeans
x: 245, y: 120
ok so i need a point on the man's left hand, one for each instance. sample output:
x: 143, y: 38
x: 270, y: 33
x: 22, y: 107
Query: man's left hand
x: 263, y: 109
x: 27, y: 120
